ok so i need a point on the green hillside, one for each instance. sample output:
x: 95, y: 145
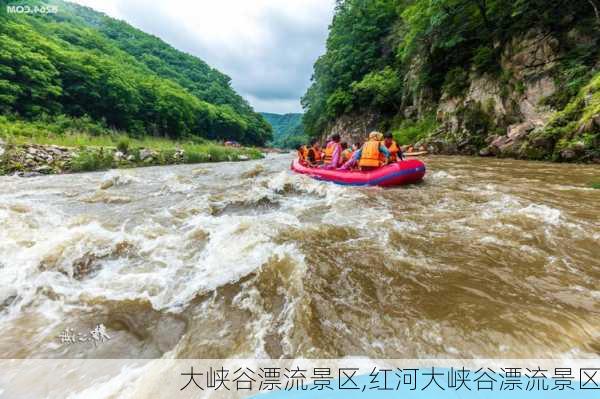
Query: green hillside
x: 80, y: 62
x: 463, y: 74
x: 288, y: 130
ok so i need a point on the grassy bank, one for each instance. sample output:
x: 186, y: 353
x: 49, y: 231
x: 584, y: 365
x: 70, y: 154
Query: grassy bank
x: 64, y: 144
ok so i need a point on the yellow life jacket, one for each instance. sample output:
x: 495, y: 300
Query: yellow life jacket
x: 329, y: 150
x: 370, y: 155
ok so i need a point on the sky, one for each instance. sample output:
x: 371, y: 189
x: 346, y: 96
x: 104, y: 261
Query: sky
x: 267, y: 47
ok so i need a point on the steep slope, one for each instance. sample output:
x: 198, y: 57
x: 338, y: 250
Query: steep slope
x: 82, y: 62
x: 288, y: 130
x: 491, y: 77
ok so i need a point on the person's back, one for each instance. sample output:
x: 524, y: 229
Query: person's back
x: 346, y: 152
x: 370, y: 156
x: 392, y: 147
x: 332, y: 155
x: 373, y: 153
x: 313, y: 156
x: 302, y: 153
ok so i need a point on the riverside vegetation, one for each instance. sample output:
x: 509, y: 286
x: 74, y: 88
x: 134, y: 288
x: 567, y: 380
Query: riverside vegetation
x: 489, y: 77
x: 81, y: 145
x: 82, y: 80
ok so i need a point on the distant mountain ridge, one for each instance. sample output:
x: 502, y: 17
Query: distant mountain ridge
x: 288, y: 130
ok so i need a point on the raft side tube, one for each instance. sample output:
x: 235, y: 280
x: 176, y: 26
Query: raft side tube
x: 395, y: 174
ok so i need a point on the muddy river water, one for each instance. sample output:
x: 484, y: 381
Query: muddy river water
x: 486, y: 258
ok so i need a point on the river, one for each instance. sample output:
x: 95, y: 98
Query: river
x: 486, y: 258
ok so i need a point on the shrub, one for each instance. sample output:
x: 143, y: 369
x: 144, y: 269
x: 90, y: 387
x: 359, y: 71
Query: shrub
x: 409, y: 131
x: 191, y: 156
x: 166, y: 157
x: 379, y: 89
x: 123, y: 145
x: 456, y: 82
x: 90, y: 160
x: 485, y: 60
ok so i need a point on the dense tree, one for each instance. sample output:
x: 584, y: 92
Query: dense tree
x: 381, y: 53
x: 81, y: 62
x: 356, y: 46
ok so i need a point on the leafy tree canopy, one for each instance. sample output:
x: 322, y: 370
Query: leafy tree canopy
x: 81, y: 62
x: 381, y: 54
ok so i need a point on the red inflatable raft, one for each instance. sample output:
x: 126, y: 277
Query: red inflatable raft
x: 398, y: 173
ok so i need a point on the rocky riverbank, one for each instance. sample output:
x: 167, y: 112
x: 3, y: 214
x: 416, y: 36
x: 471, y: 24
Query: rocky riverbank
x: 34, y: 159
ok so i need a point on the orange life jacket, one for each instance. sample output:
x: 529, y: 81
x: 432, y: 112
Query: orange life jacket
x: 346, y: 155
x: 328, y: 158
x: 316, y: 153
x: 303, y: 153
x: 393, y: 149
x: 370, y: 155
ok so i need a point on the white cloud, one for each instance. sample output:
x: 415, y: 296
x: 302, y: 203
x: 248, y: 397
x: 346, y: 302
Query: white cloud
x: 267, y: 47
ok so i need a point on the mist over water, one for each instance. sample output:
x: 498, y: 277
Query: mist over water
x: 486, y: 258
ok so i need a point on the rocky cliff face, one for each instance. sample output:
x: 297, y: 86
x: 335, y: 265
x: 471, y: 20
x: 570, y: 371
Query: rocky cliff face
x: 496, y: 117
x: 355, y: 127
x: 503, y: 114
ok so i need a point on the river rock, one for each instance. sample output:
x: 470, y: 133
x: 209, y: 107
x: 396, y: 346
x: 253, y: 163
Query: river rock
x: 145, y: 154
x: 243, y: 157
x: 29, y: 174
x: 568, y: 154
x: 486, y: 152
x: 118, y: 156
x: 518, y: 131
x: 45, y: 169
x: 57, y: 151
x: 106, y: 184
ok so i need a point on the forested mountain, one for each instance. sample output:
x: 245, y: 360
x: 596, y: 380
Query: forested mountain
x: 288, y: 130
x: 504, y: 77
x: 81, y: 62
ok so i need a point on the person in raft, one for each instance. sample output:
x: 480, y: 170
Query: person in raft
x: 393, y: 148
x: 346, y: 152
x: 332, y: 158
x: 302, y: 153
x: 313, y: 156
x: 372, y: 155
